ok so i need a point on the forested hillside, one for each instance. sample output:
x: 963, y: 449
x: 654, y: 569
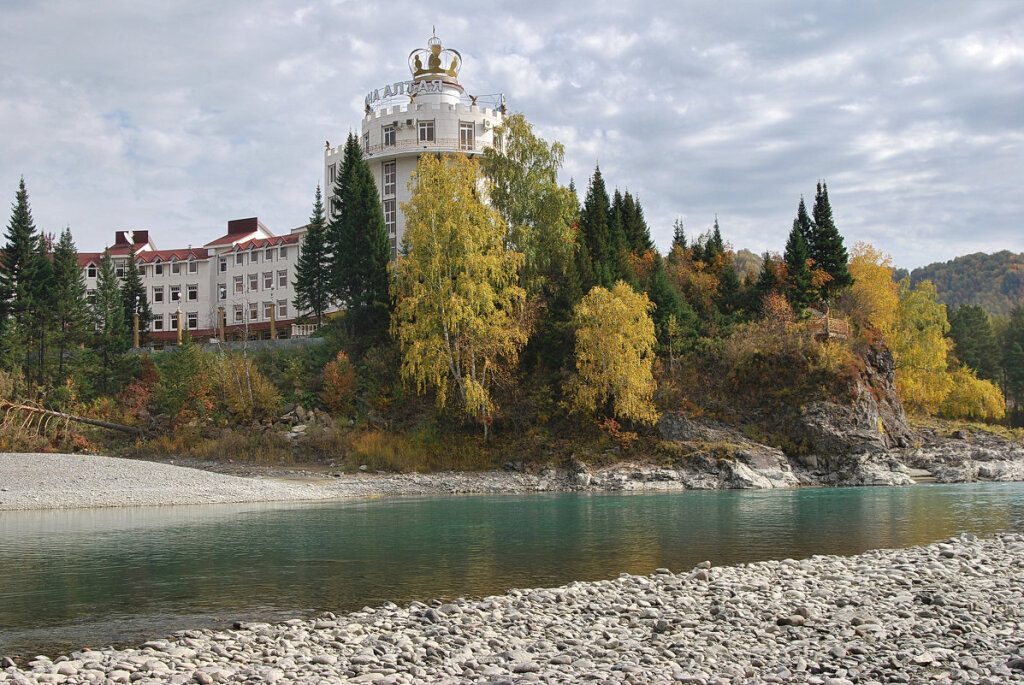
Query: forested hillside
x: 994, y: 282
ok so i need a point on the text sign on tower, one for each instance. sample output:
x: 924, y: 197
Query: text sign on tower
x: 404, y: 88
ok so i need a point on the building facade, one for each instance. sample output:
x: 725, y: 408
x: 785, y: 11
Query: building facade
x: 239, y: 286
x: 431, y: 113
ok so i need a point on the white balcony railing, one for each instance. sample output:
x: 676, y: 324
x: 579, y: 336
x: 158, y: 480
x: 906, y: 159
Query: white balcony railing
x: 445, y: 144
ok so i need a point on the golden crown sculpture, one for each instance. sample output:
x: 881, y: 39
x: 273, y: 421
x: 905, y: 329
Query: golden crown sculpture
x: 434, y: 60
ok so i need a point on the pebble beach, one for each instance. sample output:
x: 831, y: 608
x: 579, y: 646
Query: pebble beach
x: 947, y: 612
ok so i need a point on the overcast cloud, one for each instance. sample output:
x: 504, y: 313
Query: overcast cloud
x: 178, y: 116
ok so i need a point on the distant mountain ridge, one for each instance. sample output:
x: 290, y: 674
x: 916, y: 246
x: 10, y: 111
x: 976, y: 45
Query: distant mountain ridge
x: 994, y: 282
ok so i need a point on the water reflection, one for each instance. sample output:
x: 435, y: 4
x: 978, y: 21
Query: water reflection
x: 92, y: 577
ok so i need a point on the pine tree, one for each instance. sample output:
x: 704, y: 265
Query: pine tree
x: 112, y: 333
x: 678, y: 236
x: 70, y: 308
x: 133, y: 299
x: 799, y: 288
x: 826, y: 247
x: 638, y: 235
x: 359, y: 245
x: 804, y: 224
x: 312, y: 278
x: 716, y: 242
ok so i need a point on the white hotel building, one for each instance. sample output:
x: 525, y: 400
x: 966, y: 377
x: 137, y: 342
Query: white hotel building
x: 241, y: 285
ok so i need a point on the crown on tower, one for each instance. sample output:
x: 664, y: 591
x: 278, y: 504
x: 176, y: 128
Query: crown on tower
x: 435, y: 60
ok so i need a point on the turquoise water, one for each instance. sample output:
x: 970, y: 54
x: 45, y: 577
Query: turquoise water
x: 118, y: 576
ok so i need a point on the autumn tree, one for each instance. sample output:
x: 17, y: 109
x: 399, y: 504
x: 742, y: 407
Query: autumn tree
x: 538, y: 213
x: 874, y: 294
x: 920, y: 346
x: 313, y: 272
x: 615, y: 341
x: 458, y: 317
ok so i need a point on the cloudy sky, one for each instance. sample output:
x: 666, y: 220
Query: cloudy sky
x: 178, y: 116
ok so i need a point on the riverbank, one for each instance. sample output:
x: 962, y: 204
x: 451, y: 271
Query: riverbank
x: 947, y: 611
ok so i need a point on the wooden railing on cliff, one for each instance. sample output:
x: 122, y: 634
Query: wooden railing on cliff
x: 827, y: 327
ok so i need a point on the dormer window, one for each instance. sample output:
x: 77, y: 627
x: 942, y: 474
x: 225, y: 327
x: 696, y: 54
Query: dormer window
x: 239, y: 258
x: 158, y: 268
x: 175, y: 267
x: 193, y: 266
x: 90, y: 271
x: 254, y: 257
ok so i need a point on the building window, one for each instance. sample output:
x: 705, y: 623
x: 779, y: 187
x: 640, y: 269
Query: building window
x: 119, y: 269
x: 239, y: 259
x: 254, y: 311
x: 175, y: 268
x: 268, y: 280
x: 466, y: 135
x: 284, y: 253
x: 239, y: 287
x: 366, y: 142
x: 222, y: 291
x: 270, y: 255
x: 282, y: 278
x: 158, y: 294
x: 90, y: 271
x: 223, y: 264
x: 192, y: 320
x: 332, y: 173
x: 175, y: 293
x: 254, y: 257
x: 238, y: 313
x: 335, y: 207
x: 389, y: 178
x: 282, y: 309
x: 254, y: 282
x: 193, y: 292
x: 193, y: 266
x: 174, y: 321
x: 389, y: 217
x: 426, y: 130
x: 387, y: 135
x: 268, y: 310
x: 157, y: 324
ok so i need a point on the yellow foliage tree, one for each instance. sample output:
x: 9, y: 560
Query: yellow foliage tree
x: 459, y: 313
x: 919, y: 345
x: 615, y: 343
x: 243, y: 389
x: 972, y: 398
x: 873, y: 295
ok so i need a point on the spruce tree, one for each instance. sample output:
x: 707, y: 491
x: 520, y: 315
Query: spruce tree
x: 312, y: 277
x: 70, y: 308
x: 133, y: 299
x: 668, y: 303
x: 826, y: 247
x: 804, y: 224
x: 39, y: 309
x: 678, y: 236
x: 716, y: 241
x: 638, y: 235
x: 359, y: 245
x: 799, y: 288
x: 767, y: 280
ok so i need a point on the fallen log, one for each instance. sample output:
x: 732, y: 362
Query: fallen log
x: 4, y: 404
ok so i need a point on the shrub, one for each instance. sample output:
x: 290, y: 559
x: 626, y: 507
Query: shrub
x: 339, y: 384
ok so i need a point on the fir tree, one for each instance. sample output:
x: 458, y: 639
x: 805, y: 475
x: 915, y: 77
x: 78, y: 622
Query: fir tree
x: 716, y: 242
x: 312, y: 278
x: 133, y: 299
x: 826, y: 247
x: 668, y: 304
x: 799, y: 287
x: 359, y: 245
x: 1013, y: 363
x: 638, y: 235
x: 767, y: 280
x: 804, y: 224
x: 70, y: 308
x: 678, y: 236
x: 39, y: 308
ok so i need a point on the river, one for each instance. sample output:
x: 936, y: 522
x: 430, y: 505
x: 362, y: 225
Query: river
x: 93, y: 577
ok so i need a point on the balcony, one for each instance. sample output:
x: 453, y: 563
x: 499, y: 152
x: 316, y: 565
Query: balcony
x: 436, y: 145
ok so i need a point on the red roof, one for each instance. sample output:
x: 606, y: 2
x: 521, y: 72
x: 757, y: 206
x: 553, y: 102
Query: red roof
x: 150, y: 256
x: 256, y: 243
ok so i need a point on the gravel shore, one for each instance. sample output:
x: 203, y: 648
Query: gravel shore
x: 948, y: 612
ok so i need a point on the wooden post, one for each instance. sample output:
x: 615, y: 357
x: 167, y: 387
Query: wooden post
x: 273, y: 320
x: 220, y: 322
x: 179, y: 325
x: 135, y: 330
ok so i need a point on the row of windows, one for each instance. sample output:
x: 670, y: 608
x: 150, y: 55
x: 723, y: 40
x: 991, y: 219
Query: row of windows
x: 254, y: 282
x: 424, y: 134
x: 191, y: 320
x: 174, y: 291
x: 192, y: 266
